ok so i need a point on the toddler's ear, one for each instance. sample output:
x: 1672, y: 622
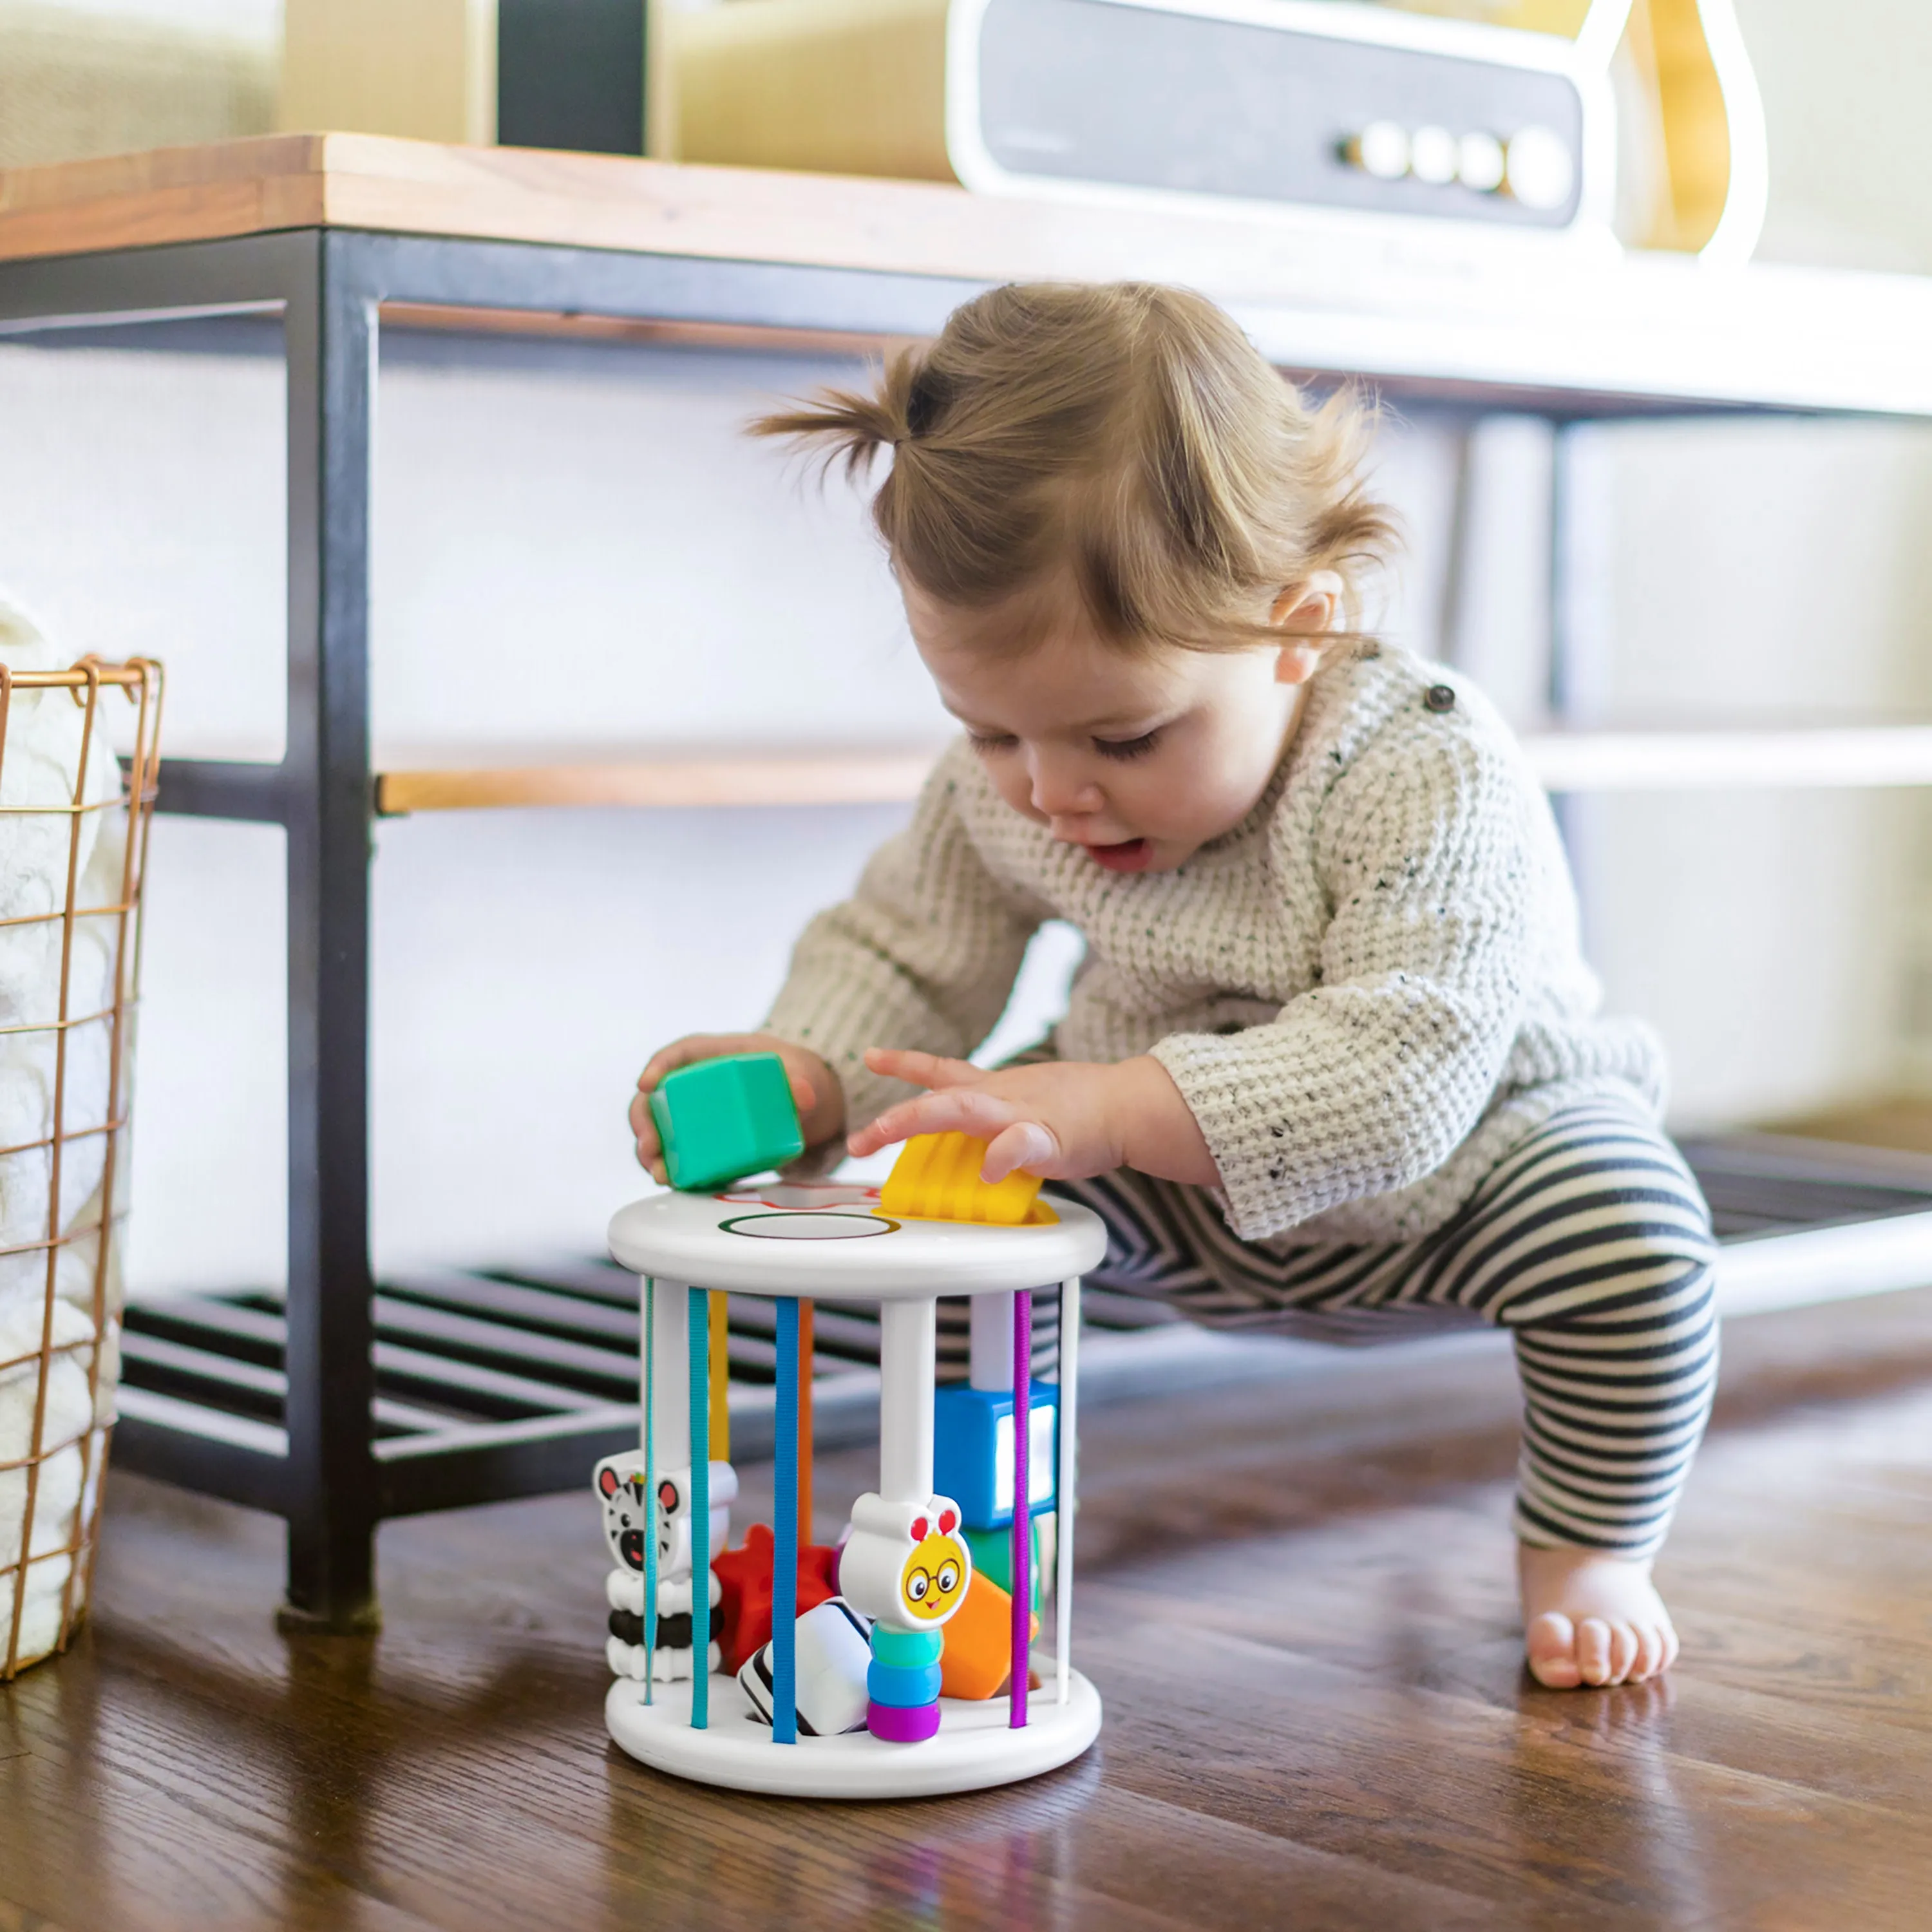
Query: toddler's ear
x: 1309, y: 608
x: 1305, y: 611
x: 1296, y: 663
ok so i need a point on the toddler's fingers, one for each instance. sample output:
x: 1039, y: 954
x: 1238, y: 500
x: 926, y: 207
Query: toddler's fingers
x: 650, y: 1151
x: 953, y: 1110
x: 896, y: 1123
x: 922, y: 1069
x: 972, y: 1110
x: 1026, y: 1144
x: 683, y: 1052
x: 930, y: 1114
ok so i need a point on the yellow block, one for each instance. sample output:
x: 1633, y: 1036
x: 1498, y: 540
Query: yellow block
x: 937, y: 1178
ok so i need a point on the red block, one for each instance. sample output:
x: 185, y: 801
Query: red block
x: 743, y: 1620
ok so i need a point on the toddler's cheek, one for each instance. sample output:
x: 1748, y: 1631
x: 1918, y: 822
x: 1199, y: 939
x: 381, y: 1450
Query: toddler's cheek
x: 1018, y: 795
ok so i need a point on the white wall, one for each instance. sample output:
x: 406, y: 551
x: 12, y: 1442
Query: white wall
x: 588, y: 555
x: 1781, y: 570
x: 1844, y: 90
x: 586, y: 559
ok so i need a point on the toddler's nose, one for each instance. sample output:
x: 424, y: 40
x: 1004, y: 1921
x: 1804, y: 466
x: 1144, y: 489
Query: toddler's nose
x: 1063, y: 791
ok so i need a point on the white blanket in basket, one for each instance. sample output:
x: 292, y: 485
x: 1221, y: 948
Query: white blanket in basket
x: 42, y: 763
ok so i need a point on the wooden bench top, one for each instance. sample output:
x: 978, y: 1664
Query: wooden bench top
x: 1319, y: 292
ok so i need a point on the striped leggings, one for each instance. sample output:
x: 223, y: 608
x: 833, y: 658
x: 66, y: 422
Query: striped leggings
x: 1590, y: 1242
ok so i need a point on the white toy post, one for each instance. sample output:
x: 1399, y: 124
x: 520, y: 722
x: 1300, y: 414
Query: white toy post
x: 991, y: 1338
x: 907, y: 1331
x: 670, y: 1404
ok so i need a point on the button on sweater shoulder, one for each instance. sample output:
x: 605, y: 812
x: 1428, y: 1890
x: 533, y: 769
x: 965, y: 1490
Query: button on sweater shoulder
x: 1367, y: 992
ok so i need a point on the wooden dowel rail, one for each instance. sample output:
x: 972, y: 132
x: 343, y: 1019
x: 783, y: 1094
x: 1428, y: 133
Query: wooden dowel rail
x: 778, y: 779
x: 1849, y: 757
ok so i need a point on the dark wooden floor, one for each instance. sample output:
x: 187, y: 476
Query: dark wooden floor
x: 1295, y: 1602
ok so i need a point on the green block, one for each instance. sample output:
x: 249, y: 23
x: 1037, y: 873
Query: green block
x: 993, y: 1556
x: 720, y: 1120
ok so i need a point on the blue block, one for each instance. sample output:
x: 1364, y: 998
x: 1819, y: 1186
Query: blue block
x: 972, y: 1451
x: 903, y: 1688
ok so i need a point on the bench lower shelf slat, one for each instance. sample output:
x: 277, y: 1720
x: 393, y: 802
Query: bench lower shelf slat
x: 512, y: 1381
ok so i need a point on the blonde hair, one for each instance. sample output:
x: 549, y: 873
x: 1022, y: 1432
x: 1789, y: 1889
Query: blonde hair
x: 1128, y: 435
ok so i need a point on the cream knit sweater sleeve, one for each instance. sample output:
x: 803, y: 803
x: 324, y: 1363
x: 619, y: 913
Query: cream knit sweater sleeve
x: 923, y: 955
x: 1370, y: 1080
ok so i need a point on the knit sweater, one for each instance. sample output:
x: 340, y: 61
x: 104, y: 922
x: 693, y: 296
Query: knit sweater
x: 1367, y: 992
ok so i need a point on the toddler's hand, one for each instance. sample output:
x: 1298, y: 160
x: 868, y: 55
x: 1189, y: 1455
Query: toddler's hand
x: 1061, y: 1119
x: 815, y: 1089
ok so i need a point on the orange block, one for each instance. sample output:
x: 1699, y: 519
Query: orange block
x: 979, y: 1655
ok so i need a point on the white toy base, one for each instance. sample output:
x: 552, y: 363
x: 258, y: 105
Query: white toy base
x: 976, y: 1746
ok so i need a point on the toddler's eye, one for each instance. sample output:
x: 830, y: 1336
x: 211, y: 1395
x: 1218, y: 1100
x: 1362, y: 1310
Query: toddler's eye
x: 985, y: 742
x: 1127, y: 748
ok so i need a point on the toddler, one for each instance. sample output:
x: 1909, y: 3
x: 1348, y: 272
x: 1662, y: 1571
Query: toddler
x: 1333, y: 1061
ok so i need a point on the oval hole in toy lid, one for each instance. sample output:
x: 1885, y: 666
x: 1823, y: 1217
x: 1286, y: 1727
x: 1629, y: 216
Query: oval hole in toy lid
x: 826, y: 1224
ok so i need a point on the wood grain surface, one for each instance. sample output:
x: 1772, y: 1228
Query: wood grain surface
x: 861, y: 778
x: 1428, y: 308
x: 1604, y: 760
x: 1294, y: 1600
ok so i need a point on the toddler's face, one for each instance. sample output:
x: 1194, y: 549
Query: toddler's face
x: 1140, y: 760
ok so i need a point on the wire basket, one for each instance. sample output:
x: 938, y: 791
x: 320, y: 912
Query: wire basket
x: 73, y: 836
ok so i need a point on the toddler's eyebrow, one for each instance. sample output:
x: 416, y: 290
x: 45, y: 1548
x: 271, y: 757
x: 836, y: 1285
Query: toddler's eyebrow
x: 1122, y: 723
x: 960, y: 717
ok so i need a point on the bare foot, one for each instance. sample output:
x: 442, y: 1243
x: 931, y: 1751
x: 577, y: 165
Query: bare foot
x: 1592, y: 1618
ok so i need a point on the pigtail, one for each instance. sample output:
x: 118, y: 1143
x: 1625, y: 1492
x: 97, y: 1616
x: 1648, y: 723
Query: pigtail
x: 845, y: 427
x: 1351, y: 531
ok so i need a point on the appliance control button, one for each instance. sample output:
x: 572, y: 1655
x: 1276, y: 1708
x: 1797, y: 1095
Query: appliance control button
x: 1538, y: 169
x: 1381, y: 149
x: 1431, y: 156
x: 1480, y: 163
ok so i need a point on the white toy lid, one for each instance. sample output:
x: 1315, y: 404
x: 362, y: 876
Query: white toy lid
x: 828, y: 1240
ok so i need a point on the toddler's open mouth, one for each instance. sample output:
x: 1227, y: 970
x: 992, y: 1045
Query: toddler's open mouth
x: 1131, y: 855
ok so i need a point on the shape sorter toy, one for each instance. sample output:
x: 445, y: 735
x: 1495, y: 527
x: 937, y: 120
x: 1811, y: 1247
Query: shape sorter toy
x: 912, y: 1709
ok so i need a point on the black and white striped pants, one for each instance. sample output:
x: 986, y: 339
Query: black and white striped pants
x: 1590, y: 1242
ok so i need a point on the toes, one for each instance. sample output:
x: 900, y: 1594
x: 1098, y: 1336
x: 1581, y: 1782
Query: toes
x: 1593, y: 1650
x: 1658, y: 1651
x: 1649, y: 1653
x: 1550, y: 1643
x: 1623, y: 1652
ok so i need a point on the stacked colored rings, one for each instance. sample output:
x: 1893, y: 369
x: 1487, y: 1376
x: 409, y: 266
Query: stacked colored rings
x: 902, y: 1685
x: 892, y: 1725
x: 906, y: 1649
x: 907, y: 1688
